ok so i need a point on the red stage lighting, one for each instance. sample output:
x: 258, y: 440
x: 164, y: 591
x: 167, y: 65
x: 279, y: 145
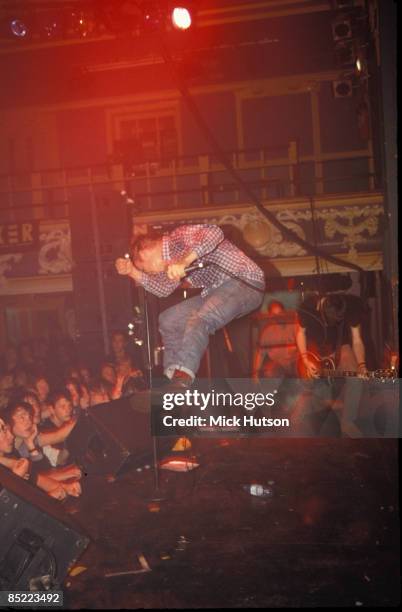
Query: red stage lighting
x: 181, y: 18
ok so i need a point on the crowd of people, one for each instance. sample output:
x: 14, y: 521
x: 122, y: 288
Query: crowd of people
x: 45, y: 387
x: 43, y: 390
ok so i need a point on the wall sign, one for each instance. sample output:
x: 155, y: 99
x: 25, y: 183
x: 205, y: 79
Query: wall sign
x: 16, y: 237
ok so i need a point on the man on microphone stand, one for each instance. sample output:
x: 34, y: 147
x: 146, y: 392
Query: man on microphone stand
x: 232, y: 286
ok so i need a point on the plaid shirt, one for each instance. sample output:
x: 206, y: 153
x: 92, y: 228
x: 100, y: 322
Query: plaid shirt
x: 211, y: 247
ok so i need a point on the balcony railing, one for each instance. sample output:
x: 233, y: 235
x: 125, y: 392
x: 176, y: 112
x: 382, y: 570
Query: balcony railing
x: 190, y: 182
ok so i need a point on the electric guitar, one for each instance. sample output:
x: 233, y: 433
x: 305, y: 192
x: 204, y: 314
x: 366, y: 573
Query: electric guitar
x: 326, y: 369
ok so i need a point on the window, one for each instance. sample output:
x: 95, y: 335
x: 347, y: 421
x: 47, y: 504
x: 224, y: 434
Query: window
x: 146, y: 139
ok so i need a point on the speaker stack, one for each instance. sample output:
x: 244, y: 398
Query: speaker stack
x: 39, y: 542
x: 100, y: 232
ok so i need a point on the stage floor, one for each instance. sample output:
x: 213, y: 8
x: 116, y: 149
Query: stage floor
x: 329, y: 535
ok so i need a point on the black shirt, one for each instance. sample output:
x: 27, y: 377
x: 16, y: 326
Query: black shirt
x: 322, y: 337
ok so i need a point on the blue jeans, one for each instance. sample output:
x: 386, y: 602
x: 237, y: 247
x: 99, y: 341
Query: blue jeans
x: 186, y: 327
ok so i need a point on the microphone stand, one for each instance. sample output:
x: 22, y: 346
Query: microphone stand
x: 157, y: 496
x: 148, y: 364
x: 129, y: 200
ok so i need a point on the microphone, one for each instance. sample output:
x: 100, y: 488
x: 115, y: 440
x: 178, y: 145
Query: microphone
x: 194, y: 266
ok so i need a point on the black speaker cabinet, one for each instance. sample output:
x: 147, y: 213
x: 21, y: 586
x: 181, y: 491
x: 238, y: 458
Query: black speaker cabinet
x: 39, y: 542
x: 103, y: 300
x: 117, y: 297
x: 114, y: 436
x: 100, y: 212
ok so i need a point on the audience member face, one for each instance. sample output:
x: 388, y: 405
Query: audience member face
x: 73, y: 373
x: 108, y: 373
x: 84, y: 399
x: 85, y: 374
x: 6, y: 382
x: 62, y: 410
x: 6, y: 438
x: 42, y: 388
x: 23, y: 424
x: 118, y: 344
x: 75, y: 395
x: 31, y: 399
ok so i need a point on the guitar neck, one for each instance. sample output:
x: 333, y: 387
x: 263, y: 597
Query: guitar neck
x: 328, y: 372
x: 339, y: 373
x: 326, y: 369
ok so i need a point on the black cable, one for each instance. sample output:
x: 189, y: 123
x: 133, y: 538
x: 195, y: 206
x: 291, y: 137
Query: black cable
x: 52, y: 560
x: 221, y: 155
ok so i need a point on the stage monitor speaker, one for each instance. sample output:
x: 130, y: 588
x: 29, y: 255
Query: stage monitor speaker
x: 39, y: 542
x: 115, y: 436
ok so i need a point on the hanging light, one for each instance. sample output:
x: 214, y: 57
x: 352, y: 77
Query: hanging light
x: 51, y: 29
x: 82, y: 23
x: 50, y: 24
x: 19, y: 28
x: 181, y: 18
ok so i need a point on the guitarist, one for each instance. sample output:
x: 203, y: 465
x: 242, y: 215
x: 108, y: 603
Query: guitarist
x: 330, y: 327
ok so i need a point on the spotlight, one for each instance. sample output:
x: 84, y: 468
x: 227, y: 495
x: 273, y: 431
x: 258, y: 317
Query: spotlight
x: 181, y: 18
x: 49, y: 25
x: 361, y: 62
x: 50, y: 29
x: 82, y: 24
x: 19, y: 28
